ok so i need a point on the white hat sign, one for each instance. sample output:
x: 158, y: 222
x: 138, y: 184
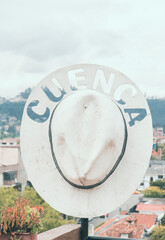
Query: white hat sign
x: 86, y: 139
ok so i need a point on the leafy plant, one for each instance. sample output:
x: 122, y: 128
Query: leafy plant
x: 22, y: 218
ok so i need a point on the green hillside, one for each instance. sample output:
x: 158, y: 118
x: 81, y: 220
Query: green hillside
x: 157, y: 108
x: 11, y: 113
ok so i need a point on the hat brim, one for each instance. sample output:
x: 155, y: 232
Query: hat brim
x: 37, y: 156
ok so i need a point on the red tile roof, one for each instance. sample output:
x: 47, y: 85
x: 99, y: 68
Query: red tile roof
x: 133, y: 225
x: 124, y: 227
x: 150, y: 207
x: 123, y: 212
x: 154, y: 153
x: 148, y: 220
x: 104, y: 225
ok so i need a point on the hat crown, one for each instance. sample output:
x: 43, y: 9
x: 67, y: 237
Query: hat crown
x: 87, y: 134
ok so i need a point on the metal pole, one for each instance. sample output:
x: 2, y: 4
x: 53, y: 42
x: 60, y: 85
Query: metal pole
x: 84, y: 229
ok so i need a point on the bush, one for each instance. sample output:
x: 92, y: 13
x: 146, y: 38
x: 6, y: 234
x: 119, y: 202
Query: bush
x: 158, y: 233
x: 8, y: 196
x: 160, y: 184
x: 153, y: 192
x: 163, y: 220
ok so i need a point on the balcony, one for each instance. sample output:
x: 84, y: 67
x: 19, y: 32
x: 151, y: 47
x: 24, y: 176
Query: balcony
x: 65, y: 232
x: 69, y: 232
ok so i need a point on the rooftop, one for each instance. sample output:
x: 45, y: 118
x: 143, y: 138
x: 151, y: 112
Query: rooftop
x: 134, y: 225
x: 150, y: 207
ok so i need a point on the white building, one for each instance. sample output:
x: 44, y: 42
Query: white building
x: 12, y: 170
x: 155, y: 171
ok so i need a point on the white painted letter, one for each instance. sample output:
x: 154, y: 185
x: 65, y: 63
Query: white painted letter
x: 76, y: 80
x: 105, y: 84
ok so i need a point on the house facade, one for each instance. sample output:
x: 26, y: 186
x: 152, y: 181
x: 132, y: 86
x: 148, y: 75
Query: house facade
x: 155, y: 171
x: 12, y: 171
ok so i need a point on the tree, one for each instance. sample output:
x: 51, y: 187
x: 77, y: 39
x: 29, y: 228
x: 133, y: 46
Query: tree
x: 159, y: 183
x: 51, y: 218
x: 158, y: 233
x: 12, y: 131
x: 163, y: 220
x: 34, y: 197
x: 157, y: 107
x: 163, y: 153
x: 8, y: 196
x: 154, y: 192
x: 26, y: 93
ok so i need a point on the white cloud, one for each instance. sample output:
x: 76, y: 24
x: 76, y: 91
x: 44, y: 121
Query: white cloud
x: 37, y: 37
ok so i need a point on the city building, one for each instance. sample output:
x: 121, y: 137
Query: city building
x: 151, y: 208
x: 155, y: 171
x: 12, y: 172
x: 158, y: 136
x: 134, y: 226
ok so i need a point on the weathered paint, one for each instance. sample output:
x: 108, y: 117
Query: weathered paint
x: 90, y: 181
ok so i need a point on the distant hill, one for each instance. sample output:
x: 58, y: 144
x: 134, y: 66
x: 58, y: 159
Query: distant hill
x: 157, y: 108
x: 14, y: 108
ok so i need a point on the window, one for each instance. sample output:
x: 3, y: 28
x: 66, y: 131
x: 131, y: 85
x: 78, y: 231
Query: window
x: 151, y: 179
x: 124, y: 235
x: 9, y: 176
x: 160, y: 176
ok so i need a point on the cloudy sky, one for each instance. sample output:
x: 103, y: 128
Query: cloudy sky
x: 39, y: 36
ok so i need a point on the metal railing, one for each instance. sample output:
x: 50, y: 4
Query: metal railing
x: 107, y: 238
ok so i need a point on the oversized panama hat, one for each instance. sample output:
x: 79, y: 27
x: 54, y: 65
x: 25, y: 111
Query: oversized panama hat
x: 86, y: 139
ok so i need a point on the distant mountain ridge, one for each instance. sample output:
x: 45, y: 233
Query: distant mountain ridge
x: 157, y: 108
x: 14, y: 108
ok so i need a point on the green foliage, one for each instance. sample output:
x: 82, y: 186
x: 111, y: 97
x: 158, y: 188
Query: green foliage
x: 12, y: 109
x: 153, y: 157
x: 156, y: 147
x: 51, y: 218
x: 12, y: 131
x: 163, y: 152
x: 163, y: 220
x: 158, y: 233
x: 15, y: 109
x: 153, y: 192
x: 8, y: 196
x: 160, y: 184
x: 26, y: 93
x: 34, y: 197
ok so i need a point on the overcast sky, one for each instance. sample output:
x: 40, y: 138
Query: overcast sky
x: 39, y: 36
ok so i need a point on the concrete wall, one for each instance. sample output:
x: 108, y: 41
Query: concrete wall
x: 65, y: 232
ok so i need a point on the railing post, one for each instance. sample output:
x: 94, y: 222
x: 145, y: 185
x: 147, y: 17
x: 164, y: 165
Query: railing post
x: 84, y: 229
